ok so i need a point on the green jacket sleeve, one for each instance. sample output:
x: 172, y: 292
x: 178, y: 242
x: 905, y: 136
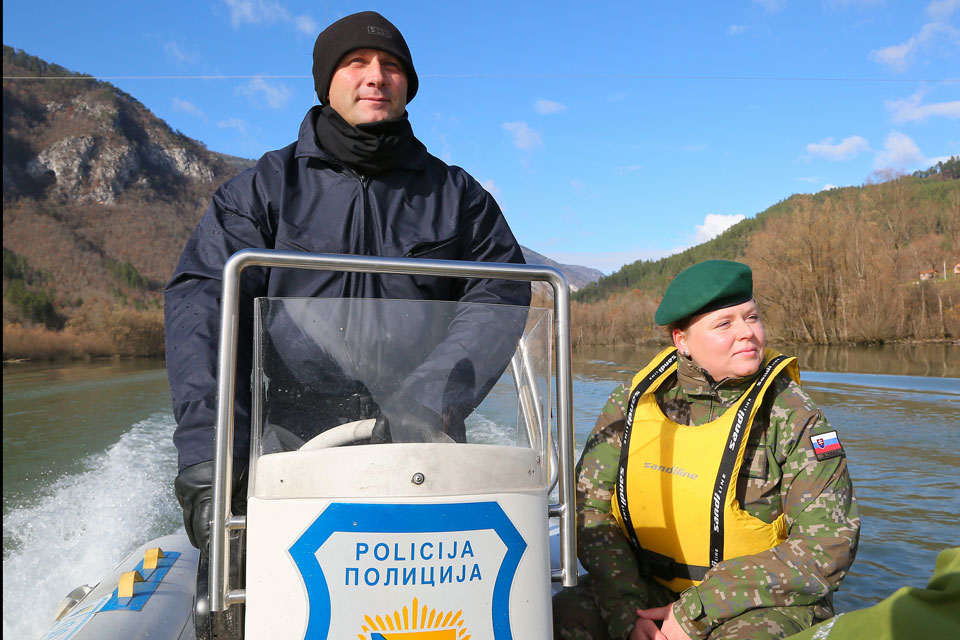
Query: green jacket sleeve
x: 933, y: 612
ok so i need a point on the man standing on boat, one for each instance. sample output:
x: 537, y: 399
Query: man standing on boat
x: 357, y: 182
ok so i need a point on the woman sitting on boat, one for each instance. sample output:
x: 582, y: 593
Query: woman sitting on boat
x: 674, y: 548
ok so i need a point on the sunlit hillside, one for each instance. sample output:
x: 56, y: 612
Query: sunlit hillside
x: 857, y: 264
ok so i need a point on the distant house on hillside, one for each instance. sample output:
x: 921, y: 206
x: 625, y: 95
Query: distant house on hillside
x: 928, y: 275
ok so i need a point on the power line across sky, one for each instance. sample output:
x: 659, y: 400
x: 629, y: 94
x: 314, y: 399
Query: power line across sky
x: 608, y: 132
x: 517, y: 76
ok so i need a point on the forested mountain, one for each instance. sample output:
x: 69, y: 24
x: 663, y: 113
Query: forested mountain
x: 99, y: 195
x: 99, y: 198
x: 854, y: 264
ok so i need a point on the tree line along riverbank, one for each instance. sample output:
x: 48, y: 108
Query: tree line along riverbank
x: 857, y: 265
x: 84, y: 267
x: 625, y: 320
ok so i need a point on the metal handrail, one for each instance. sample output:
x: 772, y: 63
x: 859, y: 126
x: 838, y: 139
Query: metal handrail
x: 524, y: 380
x: 226, y: 375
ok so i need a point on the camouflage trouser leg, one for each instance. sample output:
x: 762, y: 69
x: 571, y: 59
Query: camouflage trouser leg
x: 578, y: 612
x: 766, y: 624
x: 576, y: 616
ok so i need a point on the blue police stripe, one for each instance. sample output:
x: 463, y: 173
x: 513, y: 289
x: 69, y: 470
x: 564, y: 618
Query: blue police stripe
x: 142, y: 590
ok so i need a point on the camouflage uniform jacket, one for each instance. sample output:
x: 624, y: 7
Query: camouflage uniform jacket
x: 780, y: 474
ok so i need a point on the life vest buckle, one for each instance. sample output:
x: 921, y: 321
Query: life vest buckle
x: 666, y: 568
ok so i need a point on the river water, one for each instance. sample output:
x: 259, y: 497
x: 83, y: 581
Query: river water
x: 88, y: 464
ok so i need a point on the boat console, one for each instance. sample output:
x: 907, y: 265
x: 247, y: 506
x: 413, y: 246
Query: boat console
x: 402, y: 463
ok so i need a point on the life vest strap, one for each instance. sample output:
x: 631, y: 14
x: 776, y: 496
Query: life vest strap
x: 735, y: 440
x: 666, y: 568
x: 657, y: 370
x: 705, y: 537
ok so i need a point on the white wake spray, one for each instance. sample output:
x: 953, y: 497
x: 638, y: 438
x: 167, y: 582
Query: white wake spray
x: 87, y: 523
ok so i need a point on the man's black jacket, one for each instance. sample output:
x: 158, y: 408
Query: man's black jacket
x: 299, y: 198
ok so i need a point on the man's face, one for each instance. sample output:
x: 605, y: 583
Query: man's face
x: 368, y: 86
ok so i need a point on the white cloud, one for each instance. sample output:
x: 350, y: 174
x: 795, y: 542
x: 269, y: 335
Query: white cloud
x: 173, y: 50
x: 274, y: 94
x: 849, y: 147
x: 736, y: 29
x: 255, y: 12
x: 445, y: 119
x: 188, y: 107
x: 239, y: 124
x: 445, y: 151
x: 829, y: 186
x: 547, y: 107
x: 524, y: 137
x: 306, y: 25
x: 246, y: 11
x: 714, y: 224
x: 910, y: 109
x: 843, y: 4
x: 492, y: 189
x: 260, y: 12
x: 771, y: 5
x: 899, y: 57
x: 929, y: 162
x: 941, y: 10
x: 899, y: 152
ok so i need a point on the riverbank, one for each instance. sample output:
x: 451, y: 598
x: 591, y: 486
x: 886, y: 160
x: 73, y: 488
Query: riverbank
x: 927, y: 358
x: 940, y: 360
x: 142, y: 336
x: 121, y: 333
x: 627, y: 319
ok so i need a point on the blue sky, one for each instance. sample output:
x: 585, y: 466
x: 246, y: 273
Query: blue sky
x: 608, y: 132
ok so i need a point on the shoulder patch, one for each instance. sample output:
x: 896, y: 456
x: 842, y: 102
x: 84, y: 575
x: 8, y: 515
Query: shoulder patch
x: 826, y: 445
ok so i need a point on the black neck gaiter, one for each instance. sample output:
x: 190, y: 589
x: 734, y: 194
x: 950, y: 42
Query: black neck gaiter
x: 370, y: 148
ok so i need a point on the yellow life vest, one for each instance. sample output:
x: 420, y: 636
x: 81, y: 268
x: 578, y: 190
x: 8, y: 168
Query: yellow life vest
x: 675, y: 496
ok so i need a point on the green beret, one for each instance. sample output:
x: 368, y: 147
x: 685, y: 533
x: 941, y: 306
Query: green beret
x: 706, y: 286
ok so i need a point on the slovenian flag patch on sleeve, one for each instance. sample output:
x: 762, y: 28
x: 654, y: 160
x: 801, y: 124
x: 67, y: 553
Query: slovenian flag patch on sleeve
x: 826, y: 445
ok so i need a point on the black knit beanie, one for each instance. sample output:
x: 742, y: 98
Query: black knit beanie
x: 364, y: 30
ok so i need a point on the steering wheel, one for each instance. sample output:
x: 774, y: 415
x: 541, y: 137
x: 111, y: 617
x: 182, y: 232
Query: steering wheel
x: 342, y: 434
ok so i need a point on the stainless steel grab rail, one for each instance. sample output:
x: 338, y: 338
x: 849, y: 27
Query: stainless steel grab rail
x: 220, y: 595
x: 523, y: 377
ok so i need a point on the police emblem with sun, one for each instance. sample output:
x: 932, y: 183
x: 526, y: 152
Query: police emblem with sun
x: 417, y: 622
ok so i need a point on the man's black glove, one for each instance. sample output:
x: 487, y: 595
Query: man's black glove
x: 404, y: 420
x: 194, y: 490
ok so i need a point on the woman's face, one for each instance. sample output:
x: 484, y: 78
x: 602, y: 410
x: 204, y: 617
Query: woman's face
x: 726, y: 343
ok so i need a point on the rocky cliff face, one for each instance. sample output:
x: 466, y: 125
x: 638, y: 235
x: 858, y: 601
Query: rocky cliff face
x: 91, y: 168
x: 91, y: 143
x: 99, y: 194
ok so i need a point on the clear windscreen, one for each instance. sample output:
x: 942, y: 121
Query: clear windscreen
x: 339, y: 372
